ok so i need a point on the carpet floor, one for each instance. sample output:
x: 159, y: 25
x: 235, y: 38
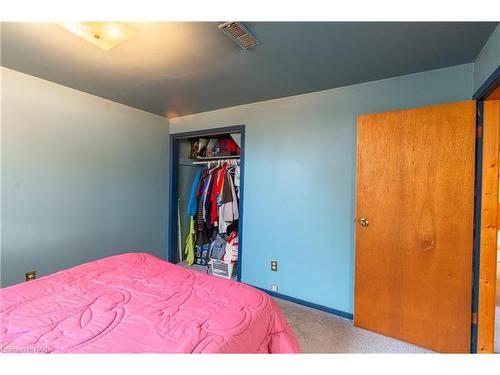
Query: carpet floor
x: 497, y: 314
x: 321, y: 332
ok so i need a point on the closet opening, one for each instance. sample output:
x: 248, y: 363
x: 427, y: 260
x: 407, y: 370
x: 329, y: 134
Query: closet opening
x: 206, y: 200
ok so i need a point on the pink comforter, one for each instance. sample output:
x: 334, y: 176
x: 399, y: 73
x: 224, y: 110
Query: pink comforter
x: 137, y: 303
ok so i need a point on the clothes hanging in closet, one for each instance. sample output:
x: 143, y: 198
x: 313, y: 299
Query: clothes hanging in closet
x: 190, y: 241
x: 191, y: 207
x: 213, y: 207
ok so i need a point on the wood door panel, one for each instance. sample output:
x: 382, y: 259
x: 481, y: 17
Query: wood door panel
x: 415, y: 185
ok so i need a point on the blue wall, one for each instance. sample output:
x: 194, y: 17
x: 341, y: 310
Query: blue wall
x: 488, y: 59
x: 82, y: 178
x: 300, y: 178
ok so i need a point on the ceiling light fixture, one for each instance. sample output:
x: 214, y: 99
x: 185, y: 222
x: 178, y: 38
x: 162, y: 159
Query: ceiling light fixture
x: 104, y: 35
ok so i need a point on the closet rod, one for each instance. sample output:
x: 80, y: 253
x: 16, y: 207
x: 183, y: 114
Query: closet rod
x: 210, y: 158
x: 217, y: 161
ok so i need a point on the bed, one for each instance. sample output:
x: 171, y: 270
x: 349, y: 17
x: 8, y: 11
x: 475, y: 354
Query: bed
x: 138, y: 303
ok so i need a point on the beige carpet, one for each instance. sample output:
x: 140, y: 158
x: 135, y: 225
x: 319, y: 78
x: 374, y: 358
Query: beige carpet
x: 320, y: 332
x: 497, y: 315
x: 497, y: 330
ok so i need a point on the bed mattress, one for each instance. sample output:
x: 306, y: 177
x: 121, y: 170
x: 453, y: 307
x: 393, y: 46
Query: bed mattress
x: 137, y: 303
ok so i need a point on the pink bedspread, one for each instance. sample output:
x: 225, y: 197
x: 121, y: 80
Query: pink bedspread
x: 137, y: 303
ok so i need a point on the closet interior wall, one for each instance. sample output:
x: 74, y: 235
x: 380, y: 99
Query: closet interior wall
x: 187, y: 171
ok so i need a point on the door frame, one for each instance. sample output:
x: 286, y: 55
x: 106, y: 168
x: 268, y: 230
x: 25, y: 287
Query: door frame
x: 486, y: 209
x: 173, y: 193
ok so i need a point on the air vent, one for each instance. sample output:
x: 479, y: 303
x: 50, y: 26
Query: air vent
x: 239, y: 34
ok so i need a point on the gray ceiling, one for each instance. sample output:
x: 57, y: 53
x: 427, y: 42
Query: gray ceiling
x: 181, y: 68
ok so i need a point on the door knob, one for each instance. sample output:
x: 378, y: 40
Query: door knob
x: 364, y: 221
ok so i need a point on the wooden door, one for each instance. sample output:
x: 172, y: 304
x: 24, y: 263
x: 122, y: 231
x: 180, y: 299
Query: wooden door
x: 415, y: 197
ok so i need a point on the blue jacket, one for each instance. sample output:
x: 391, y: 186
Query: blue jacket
x: 192, y: 204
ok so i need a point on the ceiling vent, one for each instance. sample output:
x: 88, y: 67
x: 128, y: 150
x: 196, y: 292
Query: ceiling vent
x: 239, y: 34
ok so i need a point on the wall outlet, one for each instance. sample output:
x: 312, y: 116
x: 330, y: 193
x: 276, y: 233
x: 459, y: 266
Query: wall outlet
x: 274, y: 265
x: 274, y: 288
x: 30, y: 275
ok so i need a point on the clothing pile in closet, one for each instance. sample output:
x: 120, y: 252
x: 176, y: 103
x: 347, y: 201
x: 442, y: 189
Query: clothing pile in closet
x: 213, y: 211
x: 213, y: 147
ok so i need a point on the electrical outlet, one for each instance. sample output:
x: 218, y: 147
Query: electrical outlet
x: 274, y: 265
x: 30, y: 275
x: 274, y: 288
